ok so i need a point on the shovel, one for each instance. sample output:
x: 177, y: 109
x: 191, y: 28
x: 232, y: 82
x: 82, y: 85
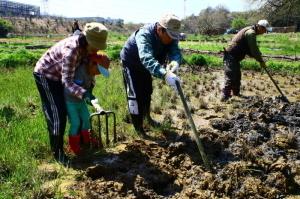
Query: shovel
x: 192, y: 124
x: 283, y: 97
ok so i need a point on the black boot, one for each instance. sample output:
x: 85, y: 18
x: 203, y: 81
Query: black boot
x: 137, y: 121
x: 56, y: 143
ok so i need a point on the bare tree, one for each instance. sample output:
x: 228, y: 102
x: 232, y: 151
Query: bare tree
x: 189, y: 24
x: 213, y: 20
x: 280, y: 12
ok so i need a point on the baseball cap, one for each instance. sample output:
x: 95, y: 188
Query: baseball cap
x: 264, y: 23
x: 172, y: 25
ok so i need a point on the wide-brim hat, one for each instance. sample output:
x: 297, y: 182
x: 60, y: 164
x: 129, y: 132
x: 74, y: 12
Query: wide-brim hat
x: 96, y: 35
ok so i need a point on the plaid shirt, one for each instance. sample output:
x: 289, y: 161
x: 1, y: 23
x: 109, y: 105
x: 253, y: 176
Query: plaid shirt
x: 59, y: 64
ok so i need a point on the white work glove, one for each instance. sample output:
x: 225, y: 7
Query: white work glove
x: 173, y: 66
x: 96, y: 105
x: 171, y: 79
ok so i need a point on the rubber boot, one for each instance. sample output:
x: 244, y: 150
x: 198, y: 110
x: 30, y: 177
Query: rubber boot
x: 74, y: 144
x: 86, y: 138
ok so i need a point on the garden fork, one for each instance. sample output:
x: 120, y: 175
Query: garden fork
x: 106, y: 115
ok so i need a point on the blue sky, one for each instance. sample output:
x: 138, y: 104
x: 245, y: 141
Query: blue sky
x: 136, y: 11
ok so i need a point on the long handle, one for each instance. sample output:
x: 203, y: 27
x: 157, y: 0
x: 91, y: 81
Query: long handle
x: 191, y: 121
x: 283, y: 96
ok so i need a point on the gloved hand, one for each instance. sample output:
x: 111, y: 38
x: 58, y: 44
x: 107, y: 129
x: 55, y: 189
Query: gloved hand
x: 96, y: 105
x: 87, y: 97
x: 171, y: 78
x: 173, y: 66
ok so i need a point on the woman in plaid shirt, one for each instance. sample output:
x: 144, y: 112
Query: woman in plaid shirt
x: 55, y: 72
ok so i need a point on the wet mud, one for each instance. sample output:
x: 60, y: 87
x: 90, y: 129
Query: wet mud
x: 254, y: 153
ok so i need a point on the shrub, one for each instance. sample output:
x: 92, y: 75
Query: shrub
x: 238, y: 23
x: 196, y: 59
x: 5, y: 27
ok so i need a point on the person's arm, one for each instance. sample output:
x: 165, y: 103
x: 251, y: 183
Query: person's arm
x: 252, y: 43
x: 175, y: 54
x: 145, y: 50
x: 70, y: 56
x: 174, y: 57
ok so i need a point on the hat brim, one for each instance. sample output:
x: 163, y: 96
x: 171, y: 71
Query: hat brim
x: 103, y: 71
x: 99, y: 45
x: 173, y: 35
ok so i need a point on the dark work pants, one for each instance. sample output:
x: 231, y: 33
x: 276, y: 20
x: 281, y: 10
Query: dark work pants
x: 138, y: 85
x: 232, y: 73
x: 54, y: 108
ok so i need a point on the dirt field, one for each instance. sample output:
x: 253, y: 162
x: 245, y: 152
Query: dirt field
x: 253, y: 143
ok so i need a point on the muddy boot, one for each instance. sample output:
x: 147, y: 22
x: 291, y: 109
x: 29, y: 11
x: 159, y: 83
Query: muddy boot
x: 74, y: 144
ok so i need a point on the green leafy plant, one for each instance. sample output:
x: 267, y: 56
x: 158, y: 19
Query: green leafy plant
x: 21, y: 57
x: 196, y: 59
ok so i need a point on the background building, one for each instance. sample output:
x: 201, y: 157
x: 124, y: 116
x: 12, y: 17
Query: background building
x: 9, y: 8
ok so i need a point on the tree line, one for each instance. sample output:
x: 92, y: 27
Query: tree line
x: 212, y: 21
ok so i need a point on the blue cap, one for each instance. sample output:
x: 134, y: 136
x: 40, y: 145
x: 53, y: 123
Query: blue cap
x: 103, y: 71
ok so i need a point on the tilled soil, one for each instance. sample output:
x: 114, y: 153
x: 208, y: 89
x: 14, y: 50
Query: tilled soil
x: 255, y: 154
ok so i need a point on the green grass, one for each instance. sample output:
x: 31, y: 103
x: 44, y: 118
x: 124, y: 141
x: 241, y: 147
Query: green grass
x: 23, y: 135
x: 270, y: 44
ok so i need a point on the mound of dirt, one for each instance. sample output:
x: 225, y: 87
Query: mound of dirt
x: 255, y: 154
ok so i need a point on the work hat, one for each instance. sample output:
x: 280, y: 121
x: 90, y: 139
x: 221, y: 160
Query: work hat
x: 96, y: 35
x: 172, y: 25
x: 264, y: 23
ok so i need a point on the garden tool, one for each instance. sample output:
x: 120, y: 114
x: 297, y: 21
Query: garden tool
x: 283, y: 97
x: 100, y: 115
x: 192, y: 124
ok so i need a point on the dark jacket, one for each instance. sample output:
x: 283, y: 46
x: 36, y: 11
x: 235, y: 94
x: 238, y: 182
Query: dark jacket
x: 144, y: 51
x: 244, y: 43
